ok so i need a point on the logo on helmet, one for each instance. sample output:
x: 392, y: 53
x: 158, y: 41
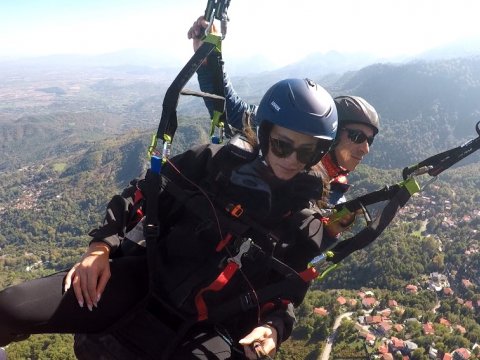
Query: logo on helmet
x: 275, y: 106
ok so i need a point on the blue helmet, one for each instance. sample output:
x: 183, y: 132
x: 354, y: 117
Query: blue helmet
x: 300, y: 105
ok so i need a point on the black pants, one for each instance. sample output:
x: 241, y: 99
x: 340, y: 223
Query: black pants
x: 40, y: 306
x: 143, y: 337
x: 116, y: 328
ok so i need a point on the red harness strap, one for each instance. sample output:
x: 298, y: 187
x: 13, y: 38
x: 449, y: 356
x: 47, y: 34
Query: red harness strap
x: 234, y: 263
x: 309, y: 274
x: 137, y: 197
x: 217, y: 285
x: 223, y: 243
x: 271, y: 305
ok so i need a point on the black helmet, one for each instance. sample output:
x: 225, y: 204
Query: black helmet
x: 354, y: 109
x: 300, y: 105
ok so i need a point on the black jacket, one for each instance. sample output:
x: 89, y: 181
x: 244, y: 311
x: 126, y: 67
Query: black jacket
x: 193, y: 226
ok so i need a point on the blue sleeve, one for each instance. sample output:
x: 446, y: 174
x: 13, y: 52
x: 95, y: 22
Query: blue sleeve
x: 235, y: 107
x: 337, y: 192
x: 205, y: 81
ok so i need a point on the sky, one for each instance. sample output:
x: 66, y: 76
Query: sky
x: 280, y: 30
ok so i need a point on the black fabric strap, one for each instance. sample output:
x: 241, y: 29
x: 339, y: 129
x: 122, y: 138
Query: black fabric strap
x: 168, y: 121
x: 370, y: 233
x: 371, y: 198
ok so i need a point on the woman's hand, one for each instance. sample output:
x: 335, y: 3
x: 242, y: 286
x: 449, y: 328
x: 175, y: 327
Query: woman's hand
x: 90, y: 276
x: 262, y: 341
x: 197, y: 30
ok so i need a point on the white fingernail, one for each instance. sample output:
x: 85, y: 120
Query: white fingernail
x: 80, y: 303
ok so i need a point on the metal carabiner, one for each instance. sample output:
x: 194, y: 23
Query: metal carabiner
x: 244, y: 248
x: 421, y: 171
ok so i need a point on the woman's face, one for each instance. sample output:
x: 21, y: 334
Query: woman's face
x: 286, y: 165
x: 348, y: 152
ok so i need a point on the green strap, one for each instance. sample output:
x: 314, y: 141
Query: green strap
x: 411, y: 185
x: 154, y: 142
x: 337, y: 215
x: 216, y: 121
x: 323, y: 267
x: 215, y: 40
x: 327, y: 271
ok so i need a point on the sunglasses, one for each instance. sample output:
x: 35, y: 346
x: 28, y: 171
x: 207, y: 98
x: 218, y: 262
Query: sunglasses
x: 283, y: 149
x: 358, y: 136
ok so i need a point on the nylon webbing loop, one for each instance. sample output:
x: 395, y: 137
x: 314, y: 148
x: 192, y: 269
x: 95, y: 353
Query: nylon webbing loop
x: 370, y: 233
x: 168, y: 121
x: 218, y: 284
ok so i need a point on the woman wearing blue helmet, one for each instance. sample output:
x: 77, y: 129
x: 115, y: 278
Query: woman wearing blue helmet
x: 230, y: 260
x: 358, y: 124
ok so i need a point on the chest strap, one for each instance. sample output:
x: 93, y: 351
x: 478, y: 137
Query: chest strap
x: 234, y: 263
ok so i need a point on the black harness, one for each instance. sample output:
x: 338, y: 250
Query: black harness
x: 234, y: 224
x: 233, y: 247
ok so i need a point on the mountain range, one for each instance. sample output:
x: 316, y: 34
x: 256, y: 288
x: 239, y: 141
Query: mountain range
x: 425, y: 106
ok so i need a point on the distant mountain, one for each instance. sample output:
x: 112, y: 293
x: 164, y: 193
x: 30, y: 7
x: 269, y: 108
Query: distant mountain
x: 37, y: 138
x: 425, y: 106
x: 328, y: 67
x: 461, y: 48
x: 127, y: 57
x: 318, y: 65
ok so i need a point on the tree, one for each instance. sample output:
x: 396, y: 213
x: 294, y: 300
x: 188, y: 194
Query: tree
x: 419, y: 354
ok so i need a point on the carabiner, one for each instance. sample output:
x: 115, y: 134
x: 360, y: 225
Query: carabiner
x: 244, y: 248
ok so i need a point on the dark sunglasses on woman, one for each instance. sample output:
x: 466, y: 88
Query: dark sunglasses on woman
x: 283, y: 149
x: 358, y: 136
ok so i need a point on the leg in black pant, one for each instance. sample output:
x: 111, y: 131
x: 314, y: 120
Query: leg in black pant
x: 40, y: 306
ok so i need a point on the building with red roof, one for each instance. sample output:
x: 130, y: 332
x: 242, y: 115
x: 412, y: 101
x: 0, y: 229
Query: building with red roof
x: 411, y: 288
x: 428, y: 329
x: 341, y: 300
x: 321, y: 311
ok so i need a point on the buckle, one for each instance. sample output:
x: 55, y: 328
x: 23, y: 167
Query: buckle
x: 244, y: 248
x: 151, y: 231
x: 235, y: 210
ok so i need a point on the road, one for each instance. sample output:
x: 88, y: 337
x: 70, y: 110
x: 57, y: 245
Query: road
x: 331, y: 339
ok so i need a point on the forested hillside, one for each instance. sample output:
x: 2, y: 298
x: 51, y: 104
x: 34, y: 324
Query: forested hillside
x: 48, y: 207
x: 420, y: 241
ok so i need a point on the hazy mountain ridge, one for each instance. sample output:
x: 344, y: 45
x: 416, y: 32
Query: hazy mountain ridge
x: 425, y: 107
x: 143, y: 60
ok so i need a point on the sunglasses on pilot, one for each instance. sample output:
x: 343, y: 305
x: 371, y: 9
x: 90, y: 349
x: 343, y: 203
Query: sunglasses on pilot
x: 283, y: 149
x: 358, y: 136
